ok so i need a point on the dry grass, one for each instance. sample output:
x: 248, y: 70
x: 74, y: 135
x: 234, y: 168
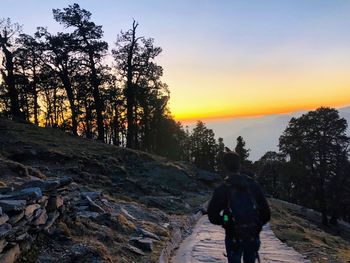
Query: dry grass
x: 307, y: 237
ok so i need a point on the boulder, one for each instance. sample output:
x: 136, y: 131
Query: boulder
x: 11, y: 255
x: 41, y: 219
x: 13, y: 205
x: 3, y: 219
x: 29, y: 211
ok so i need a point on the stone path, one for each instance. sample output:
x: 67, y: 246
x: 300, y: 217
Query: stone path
x: 206, y: 245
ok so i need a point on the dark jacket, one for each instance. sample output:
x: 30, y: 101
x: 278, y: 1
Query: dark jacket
x: 220, y: 196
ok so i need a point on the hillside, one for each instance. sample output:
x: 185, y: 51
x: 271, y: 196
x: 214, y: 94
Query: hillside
x: 120, y: 205
x: 301, y: 229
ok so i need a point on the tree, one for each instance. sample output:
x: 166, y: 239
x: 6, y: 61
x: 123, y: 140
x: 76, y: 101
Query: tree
x: 146, y: 95
x: 59, y: 55
x: 317, y: 146
x: 269, y: 173
x: 88, y: 41
x: 241, y: 150
x: 203, y: 147
x: 8, y: 32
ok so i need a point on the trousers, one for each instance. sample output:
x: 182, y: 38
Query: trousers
x: 236, y: 249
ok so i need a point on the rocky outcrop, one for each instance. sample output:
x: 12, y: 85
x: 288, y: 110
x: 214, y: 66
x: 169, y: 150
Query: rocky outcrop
x: 26, y: 210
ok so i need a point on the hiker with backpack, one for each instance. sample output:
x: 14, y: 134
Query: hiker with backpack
x: 240, y: 206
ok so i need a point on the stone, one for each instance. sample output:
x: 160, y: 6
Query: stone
x: 11, y: 255
x: 95, y: 207
x: 41, y: 219
x: 88, y: 214
x: 93, y: 195
x: 54, y: 203
x: 3, y: 244
x: 82, y: 208
x: 13, y: 205
x: 146, y: 233
x: 5, y: 190
x: 3, y: 219
x: 52, y: 217
x: 135, y: 250
x: 22, y: 237
x: 28, y: 194
x: 5, y: 230
x: 16, y: 217
x: 29, y: 211
x: 146, y: 244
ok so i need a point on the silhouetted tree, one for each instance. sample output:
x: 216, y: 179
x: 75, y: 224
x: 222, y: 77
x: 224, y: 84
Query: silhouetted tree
x: 8, y: 34
x: 87, y: 36
x: 316, y: 145
x: 203, y: 147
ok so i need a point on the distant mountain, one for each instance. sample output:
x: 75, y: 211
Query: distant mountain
x: 260, y: 133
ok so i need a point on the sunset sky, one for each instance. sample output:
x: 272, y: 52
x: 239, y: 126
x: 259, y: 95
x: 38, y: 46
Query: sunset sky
x: 229, y: 58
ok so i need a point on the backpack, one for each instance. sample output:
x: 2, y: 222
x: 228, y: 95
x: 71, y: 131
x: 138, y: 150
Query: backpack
x: 241, y: 215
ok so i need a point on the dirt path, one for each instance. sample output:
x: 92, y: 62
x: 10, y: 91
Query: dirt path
x: 206, y: 245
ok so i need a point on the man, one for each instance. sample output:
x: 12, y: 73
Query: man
x: 240, y: 206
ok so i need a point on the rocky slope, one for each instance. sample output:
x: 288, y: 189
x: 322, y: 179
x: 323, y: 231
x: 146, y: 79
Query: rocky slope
x: 67, y: 199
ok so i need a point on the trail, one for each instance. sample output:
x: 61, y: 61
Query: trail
x: 206, y: 244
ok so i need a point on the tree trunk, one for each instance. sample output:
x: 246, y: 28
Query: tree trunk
x: 10, y: 82
x: 97, y: 97
x: 68, y: 87
x: 130, y: 94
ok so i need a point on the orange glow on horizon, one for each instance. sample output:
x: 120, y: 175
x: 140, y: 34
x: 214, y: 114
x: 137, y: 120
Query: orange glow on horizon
x: 193, y: 117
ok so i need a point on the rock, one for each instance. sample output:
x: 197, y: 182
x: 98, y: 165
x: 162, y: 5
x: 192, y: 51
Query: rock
x: 43, y: 200
x: 82, y: 208
x: 3, y: 244
x: 41, y: 219
x: 11, y: 255
x: 28, y: 194
x: 145, y: 244
x: 15, y: 218
x: 3, y: 219
x: 48, y: 185
x: 146, y: 233
x: 54, y: 203
x: 208, y: 177
x: 22, y: 237
x: 135, y: 250
x: 95, y: 207
x: 93, y: 195
x: 4, y: 230
x: 52, y: 217
x: 30, y: 210
x: 87, y: 214
x: 13, y: 205
x: 5, y: 190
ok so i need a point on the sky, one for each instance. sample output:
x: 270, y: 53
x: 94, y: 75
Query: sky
x: 229, y: 58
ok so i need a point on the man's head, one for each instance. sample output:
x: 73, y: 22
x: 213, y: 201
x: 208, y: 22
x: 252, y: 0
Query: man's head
x: 231, y: 162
